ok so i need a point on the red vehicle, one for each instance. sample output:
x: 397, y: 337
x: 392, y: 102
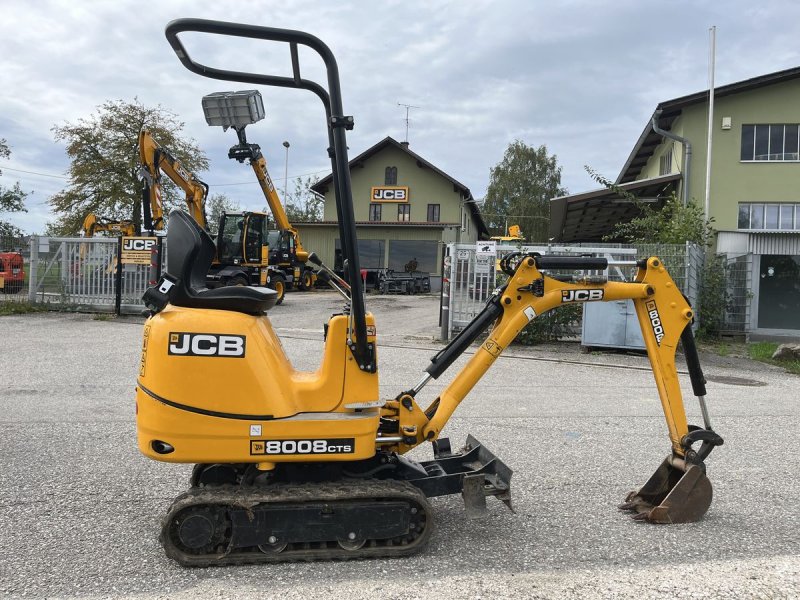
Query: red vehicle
x: 12, y: 273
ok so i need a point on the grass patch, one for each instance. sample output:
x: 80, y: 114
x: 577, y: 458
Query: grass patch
x: 763, y: 351
x: 19, y: 308
x: 722, y: 347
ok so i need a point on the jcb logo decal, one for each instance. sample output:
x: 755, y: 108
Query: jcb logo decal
x: 389, y: 194
x: 655, y: 320
x: 581, y: 295
x: 139, y: 244
x: 206, y: 344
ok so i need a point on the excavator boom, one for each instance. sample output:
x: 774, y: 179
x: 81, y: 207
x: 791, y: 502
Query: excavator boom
x: 156, y: 160
x: 679, y: 491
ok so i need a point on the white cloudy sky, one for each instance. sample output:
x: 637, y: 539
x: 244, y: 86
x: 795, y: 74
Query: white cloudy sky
x: 580, y: 76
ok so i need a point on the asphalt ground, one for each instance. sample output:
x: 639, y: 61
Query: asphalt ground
x: 80, y: 508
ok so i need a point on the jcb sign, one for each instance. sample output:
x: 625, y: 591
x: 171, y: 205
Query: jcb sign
x: 389, y: 193
x: 138, y: 250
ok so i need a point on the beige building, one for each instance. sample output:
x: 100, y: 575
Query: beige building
x: 753, y: 201
x: 406, y: 210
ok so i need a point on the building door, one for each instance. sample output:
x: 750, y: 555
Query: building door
x: 779, y: 292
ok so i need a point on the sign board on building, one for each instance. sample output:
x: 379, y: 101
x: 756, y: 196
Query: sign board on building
x: 389, y: 193
x: 138, y: 250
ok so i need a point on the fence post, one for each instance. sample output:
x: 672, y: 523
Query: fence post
x: 33, y: 269
x: 118, y: 278
x: 444, y: 306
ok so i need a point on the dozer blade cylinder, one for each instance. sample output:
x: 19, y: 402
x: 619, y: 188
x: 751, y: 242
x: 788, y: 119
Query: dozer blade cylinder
x: 676, y: 493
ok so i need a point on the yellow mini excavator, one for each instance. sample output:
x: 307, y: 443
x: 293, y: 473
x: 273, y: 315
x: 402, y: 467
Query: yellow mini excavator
x: 293, y: 465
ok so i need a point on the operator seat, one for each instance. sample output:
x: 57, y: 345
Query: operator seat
x: 190, y: 251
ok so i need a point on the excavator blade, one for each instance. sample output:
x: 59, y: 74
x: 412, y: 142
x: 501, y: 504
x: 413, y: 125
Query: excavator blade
x: 676, y: 493
x: 474, y: 471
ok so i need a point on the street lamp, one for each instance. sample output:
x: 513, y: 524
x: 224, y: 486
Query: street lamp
x: 285, y: 170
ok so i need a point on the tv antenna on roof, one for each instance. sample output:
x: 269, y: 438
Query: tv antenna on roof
x: 408, y: 107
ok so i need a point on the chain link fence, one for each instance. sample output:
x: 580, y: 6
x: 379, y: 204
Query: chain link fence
x: 14, y: 256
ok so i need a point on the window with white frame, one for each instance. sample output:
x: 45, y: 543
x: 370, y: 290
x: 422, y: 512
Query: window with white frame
x: 665, y: 162
x: 757, y: 215
x: 774, y: 142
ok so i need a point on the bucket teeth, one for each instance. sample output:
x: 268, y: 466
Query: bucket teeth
x: 676, y: 493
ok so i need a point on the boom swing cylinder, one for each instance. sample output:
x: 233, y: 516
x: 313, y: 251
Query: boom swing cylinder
x: 294, y: 465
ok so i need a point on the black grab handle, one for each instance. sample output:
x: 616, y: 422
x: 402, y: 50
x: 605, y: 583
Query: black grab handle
x: 571, y: 262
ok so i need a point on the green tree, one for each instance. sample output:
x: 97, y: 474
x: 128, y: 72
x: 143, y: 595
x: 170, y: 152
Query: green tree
x: 520, y: 188
x: 673, y: 223
x: 301, y: 204
x: 11, y: 199
x: 215, y: 206
x: 104, y: 172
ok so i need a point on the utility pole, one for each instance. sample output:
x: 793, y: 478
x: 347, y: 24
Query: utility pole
x: 711, y: 61
x: 285, y: 171
x: 408, y: 107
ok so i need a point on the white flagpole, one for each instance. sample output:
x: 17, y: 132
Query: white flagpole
x: 712, y: 57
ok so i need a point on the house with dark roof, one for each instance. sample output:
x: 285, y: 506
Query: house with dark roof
x: 406, y: 210
x: 754, y: 191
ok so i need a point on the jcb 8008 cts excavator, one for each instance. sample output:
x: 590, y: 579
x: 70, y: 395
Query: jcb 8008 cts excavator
x: 296, y: 465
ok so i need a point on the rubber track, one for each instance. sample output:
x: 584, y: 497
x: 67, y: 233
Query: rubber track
x: 246, y: 497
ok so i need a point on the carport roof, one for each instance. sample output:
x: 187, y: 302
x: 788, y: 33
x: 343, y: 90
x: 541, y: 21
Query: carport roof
x: 590, y: 216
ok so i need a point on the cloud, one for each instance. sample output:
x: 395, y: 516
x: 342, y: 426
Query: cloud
x: 580, y: 77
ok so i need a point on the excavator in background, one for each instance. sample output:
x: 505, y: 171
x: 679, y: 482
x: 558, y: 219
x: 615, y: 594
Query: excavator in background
x: 241, y: 256
x: 93, y: 224
x: 297, y: 466
x: 512, y: 235
x: 236, y: 110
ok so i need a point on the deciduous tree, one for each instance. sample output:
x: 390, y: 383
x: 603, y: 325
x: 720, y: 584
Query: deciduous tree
x: 104, y: 169
x: 215, y: 206
x: 302, y: 205
x: 520, y: 188
x: 12, y: 199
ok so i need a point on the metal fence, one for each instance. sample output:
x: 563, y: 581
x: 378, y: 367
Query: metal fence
x: 11, y: 290
x: 81, y: 274
x: 470, y: 277
x: 738, y: 292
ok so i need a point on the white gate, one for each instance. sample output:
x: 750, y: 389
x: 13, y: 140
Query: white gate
x: 82, y: 273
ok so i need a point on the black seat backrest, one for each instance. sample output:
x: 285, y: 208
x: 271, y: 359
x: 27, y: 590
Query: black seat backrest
x: 190, y: 252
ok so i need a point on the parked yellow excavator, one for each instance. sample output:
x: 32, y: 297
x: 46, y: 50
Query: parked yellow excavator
x: 296, y: 466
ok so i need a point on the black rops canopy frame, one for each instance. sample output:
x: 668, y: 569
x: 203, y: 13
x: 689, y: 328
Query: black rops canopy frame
x: 337, y: 124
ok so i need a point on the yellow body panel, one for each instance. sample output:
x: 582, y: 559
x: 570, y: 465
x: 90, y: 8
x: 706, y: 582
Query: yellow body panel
x: 204, y: 406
